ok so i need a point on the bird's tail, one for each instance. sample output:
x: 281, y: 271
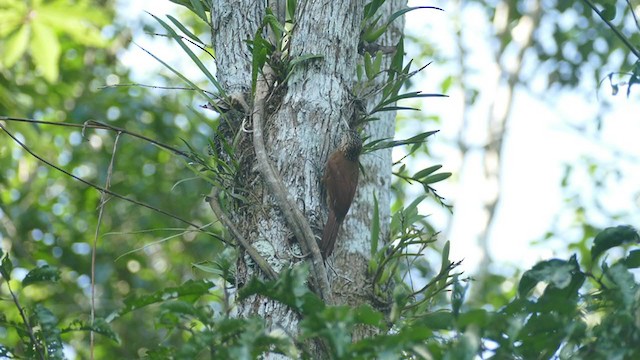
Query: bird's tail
x: 329, y: 235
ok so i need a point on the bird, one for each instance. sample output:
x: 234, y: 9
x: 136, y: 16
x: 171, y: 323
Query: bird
x: 340, y: 182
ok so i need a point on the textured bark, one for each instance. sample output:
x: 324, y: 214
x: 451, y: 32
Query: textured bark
x: 303, y: 126
x: 351, y: 282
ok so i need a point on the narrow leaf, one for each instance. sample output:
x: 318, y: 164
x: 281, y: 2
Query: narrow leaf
x: 198, y: 9
x: 193, y: 56
x: 426, y: 172
x: 436, y: 178
x: 375, y: 226
x: 186, y: 31
x: 184, y: 78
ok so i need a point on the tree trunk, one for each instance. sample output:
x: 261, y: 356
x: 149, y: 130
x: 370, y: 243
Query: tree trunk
x: 303, y: 125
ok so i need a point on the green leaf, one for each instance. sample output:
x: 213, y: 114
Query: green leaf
x: 184, y: 30
x: 193, y: 56
x: 612, y: 237
x: 275, y: 25
x: 410, y: 95
x: 375, y: 226
x: 45, y: 273
x: 191, y: 288
x: 386, y: 143
x: 556, y: 272
x: 100, y: 326
x: 457, y: 296
x: 198, y: 9
x: 79, y: 22
x: 626, y: 287
x: 377, y: 62
x: 368, y: 66
x: 609, y: 11
x: 446, y: 83
x: 49, y: 332
x: 12, y: 17
x: 398, y: 57
x: 426, y: 172
x: 210, y: 269
x: 365, y: 314
x: 291, y: 8
x: 302, y: 58
x: 5, y: 265
x: 439, y: 320
x: 632, y: 260
x: 15, y: 46
x: 290, y: 289
x: 475, y: 317
x: 45, y: 51
x: 260, y: 50
x: 436, y: 178
x: 371, y: 35
x: 189, y: 82
x: 444, y: 259
x: 396, y: 108
x: 371, y: 8
x: 399, y: 13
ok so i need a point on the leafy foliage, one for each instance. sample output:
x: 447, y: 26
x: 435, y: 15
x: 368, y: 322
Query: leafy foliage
x: 568, y: 308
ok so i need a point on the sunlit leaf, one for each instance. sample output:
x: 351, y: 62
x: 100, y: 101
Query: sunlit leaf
x: 15, y: 46
x: 78, y: 22
x: 45, y: 50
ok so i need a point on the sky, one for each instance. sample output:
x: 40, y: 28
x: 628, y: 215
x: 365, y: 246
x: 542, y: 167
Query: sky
x: 541, y: 140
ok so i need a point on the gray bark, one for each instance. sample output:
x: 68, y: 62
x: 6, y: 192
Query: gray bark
x: 302, y: 128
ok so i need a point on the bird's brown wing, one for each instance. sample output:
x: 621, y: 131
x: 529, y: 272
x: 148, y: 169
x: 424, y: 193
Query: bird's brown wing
x: 341, y: 181
x: 329, y: 235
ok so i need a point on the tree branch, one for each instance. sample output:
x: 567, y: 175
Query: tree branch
x: 100, y: 188
x: 292, y: 214
x: 92, y: 124
x: 615, y: 30
x: 212, y: 199
x: 36, y: 345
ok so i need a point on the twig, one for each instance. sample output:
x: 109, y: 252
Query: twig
x: 92, y: 124
x: 154, y: 87
x: 99, y: 188
x: 255, y: 255
x: 633, y: 13
x: 292, y: 214
x: 201, y: 47
x: 103, y: 200
x: 36, y: 345
x: 615, y: 30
